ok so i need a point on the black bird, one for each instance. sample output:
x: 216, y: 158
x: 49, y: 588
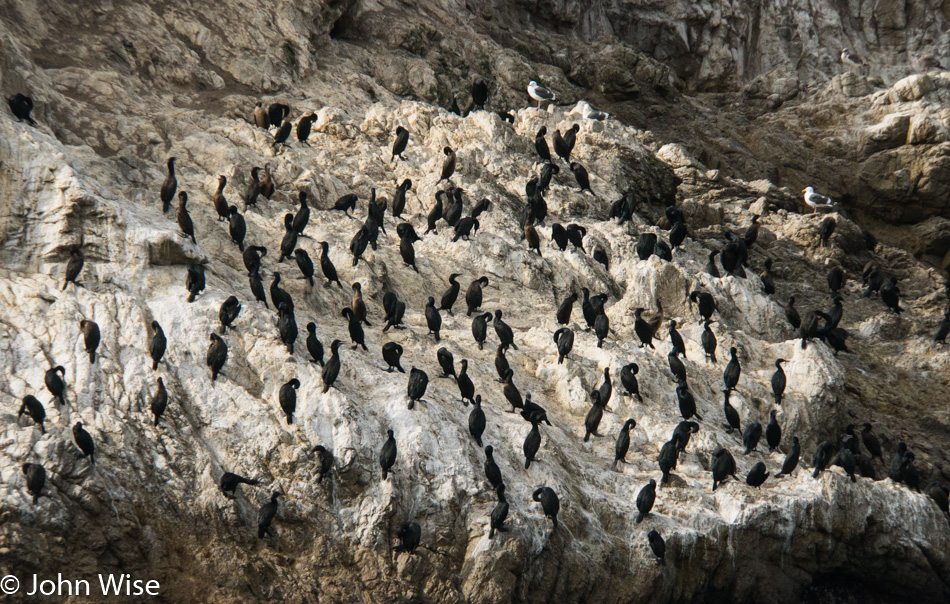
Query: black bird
x: 791, y: 458
x: 289, y: 242
x: 751, y: 234
x: 826, y: 229
x: 570, y: 137
x: 34, y: 409
x: 217, y: 355
x: 730, y: 376
x: 302, y: 217
x: 773, y: 432
x: 871, y: 443
x: 433, y: 318
x: 276, y: 113
x: 499, y: 514
x: 596, y: 413
x: 549, y: 502
x: 22, y: 106
x: 435, y: 214
x: 687, y: 402
x: 267, y: 512
x: 219, y: 201
x: 399, y: 145
x: 229, y: 311
x: 287, y: 397
x: 387, y: 455
x: 836, y: 279
x: 482, y: 206
x: 305, y: 264
x: 677, y: 368
x: 643, y: 330
x: 357, y: 336
x: 623, y: 442
x: 663, y: 251
x: 872, y: 279
x: 658, y: 546
x: 346, y: 203
x: 895, y: 471
x: 195, y: 281
x: 237, y: 227
x: 304, y: 125
x: 645, y: 499
x: 723, y: 466
x: 682, y: 432
x: 326, y: 265
x: 778, y: 381
x: 454, y: 107
x: 600, y: 255
x: 473, y: 296
x: 564, y: 339
x: 711, y: 268
x: 532, y: 238
x: 55, y: 383
x: 185, y: 223
x: 791, y: 313
x: 751, y: 436
x: 253, y: 188
x: 230, y: 481
x: 91, y: 337
x: 732, y: 416
x: 84, y: 442
x: 287, y: 326
x: 768, y: 281
x: 559, y: 236
x: 677, y: 340
x: 944, y: 328
x: 822, y: 458
x: 169, y: 187
x: 331, y: 369
x: 252, y: 256
x: 325, y: 461
x: 705, y: 302
x: 757, y: 475
x: 505, y: 335
x: 628, y: 378
x: 533, y: 412
x: 36, y: 480
x: 646, y: 245
x: 466, y: 387
x: 480, y: 328
x: 73, y: 267
x: 935, y: 490
x: 448, y: 165
x: 891, y: 296
x: 408, y: 253
x: 668, y: 458
x: 409, y: 534
x: 453, y: 211
x: 416, y: 389
x: 314, y: 346
x: 159, y: 401
x: 583, y: 179
x: 601, y: 327
x: 560, y: 147
x: 392, y: 352
x: 283, y: 133
x: 541, y: 145
x: 492, y: 472
x: 677, y: 234
x: 451, y: 294
x: 399, y: 198
x: 156, y: 346
x: 446, y: 362
x: 501, y: 363
x: 395, y: 310
x: 845, y: 457
x: 476, y: 421
x: 479, y: 94
x: 563, y: 314
x: 532, y: 443
x: 257, y: 288
x: 709, y: 342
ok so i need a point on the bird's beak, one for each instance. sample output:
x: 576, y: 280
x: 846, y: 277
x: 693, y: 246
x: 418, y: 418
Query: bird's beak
x: 803, y: 190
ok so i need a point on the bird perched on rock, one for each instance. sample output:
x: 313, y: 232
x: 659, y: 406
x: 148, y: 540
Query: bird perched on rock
x: 22, y: 106
x: 851, y: 60
x: 549, y: 502
x: 229, y: 483
x: 817, y: 201
x: 265, y: 516
x: 593, y: 114
x: 540, y: 94
x: 891, y: 296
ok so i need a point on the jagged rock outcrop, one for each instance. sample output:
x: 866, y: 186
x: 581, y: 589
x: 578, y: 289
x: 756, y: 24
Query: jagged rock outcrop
x: 146, y: 82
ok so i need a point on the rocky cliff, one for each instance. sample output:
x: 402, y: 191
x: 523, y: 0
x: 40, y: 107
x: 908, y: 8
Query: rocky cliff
x: 725, y: 109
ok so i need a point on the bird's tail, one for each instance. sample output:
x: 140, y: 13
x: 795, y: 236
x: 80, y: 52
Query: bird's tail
x: 92, y: 356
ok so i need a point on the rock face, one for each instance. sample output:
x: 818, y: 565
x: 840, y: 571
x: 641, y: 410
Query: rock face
x: 137, y: 84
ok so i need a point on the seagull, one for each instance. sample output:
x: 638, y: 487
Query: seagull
x: 851, y: 60
x: 539, y: 93
x: 594, y: 114
x: 816, y: 200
